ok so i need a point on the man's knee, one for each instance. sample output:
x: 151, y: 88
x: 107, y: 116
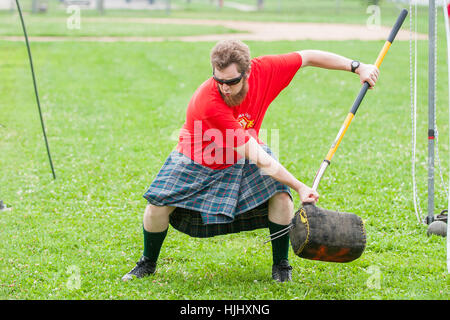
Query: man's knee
x: 281, y: 208
x: 283, y: 201
x: 157, y: 212
x: 156, y: 218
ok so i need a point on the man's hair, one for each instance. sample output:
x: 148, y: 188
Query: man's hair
x: 226, y: 52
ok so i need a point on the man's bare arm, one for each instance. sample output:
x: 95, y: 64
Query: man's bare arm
x: 255, y: 153
x: 332, y: 61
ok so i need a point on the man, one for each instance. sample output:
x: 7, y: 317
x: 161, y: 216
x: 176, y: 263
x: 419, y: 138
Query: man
x: 222, y: 179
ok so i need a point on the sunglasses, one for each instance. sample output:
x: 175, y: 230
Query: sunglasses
x: 230, y: 82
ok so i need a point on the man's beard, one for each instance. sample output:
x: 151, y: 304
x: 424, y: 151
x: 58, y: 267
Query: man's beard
x: 236, y: 99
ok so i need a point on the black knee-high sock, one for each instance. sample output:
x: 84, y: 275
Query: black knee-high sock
x: 280, y: 246
x: 152, y: 244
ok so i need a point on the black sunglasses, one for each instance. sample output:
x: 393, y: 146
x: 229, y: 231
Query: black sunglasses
x: 230, y: 82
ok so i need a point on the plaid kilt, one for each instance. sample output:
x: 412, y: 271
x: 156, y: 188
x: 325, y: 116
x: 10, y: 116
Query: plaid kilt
x: 213, y: 202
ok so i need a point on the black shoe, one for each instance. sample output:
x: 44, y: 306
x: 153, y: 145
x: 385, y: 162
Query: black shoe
x: 143, y: 268
x: 282, y: 272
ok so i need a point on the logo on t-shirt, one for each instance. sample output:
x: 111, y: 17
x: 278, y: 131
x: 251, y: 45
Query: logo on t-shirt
x: 245, y: 122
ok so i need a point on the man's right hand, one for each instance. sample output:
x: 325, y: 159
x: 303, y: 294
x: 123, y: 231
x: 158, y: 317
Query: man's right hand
x: 308, y: 195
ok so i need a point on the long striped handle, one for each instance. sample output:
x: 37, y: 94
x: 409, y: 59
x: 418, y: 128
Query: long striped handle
x: 327, y: 161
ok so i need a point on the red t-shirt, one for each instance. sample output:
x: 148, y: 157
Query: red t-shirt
x: 213, y: 129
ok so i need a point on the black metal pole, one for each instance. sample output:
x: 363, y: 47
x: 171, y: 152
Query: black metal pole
x: 35, y: 88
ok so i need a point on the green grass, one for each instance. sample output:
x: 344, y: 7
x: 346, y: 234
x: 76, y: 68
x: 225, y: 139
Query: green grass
x: 111, y: 111
x: 57, y: 26
x: 330, y: 11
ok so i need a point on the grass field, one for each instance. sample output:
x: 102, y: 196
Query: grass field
x: 58, y: 28
x: 111, y: 111
x: 330, y: 11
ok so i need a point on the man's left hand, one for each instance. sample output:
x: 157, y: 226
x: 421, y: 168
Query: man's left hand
x: 368, y: 73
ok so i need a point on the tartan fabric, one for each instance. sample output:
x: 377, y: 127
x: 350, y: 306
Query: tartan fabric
x: 212, y: 202
x: 191, y: 223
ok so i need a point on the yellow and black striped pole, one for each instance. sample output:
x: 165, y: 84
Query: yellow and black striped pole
x: 326, y: 162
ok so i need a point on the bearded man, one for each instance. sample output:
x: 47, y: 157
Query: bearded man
x: 222, y: 178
